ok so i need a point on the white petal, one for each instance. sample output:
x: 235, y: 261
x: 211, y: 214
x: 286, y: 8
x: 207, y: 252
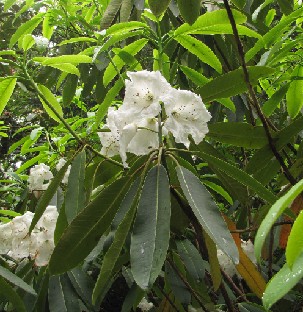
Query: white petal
x: 127, y: 134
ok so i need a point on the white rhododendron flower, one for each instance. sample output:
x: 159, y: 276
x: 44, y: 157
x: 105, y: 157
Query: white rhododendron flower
x: 143, y: 93
x: 186, y: 115
x: 59, y: 165
x: 144, y: 305
x: 16, y: 242
x: 41, y: 42
x: 134, y: 126
x: 39, y: 177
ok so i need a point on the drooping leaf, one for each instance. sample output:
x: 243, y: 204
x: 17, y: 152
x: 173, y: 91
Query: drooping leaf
x: 194, y: 76
x: 17, y: 281
x: 150, y: 237
x: 210, y: 19
x: 121, y: 224
x: 207, y: 212
x: 86, y: 229
x: 158, y: 6
x: 286, y: 6
x: 238, y: 134
x: 189, y: 10
x: 241, y: 176
x: 66, y: 68
x: 75, y: 192
x: 7, y: 87
x: 273, y: 34
x: 294, y: 95
x: 201, y: 50
x: 126, y: 9
x: 51, y: 100
x: 295, y: 243
x: 110, y: 13
x: 283, y: 282
x: 26, y: 28
x: 232, y: 83
x: 61, y: 295
x: 11, y: 295
x: 63, y: 59
x: 69, y: 89
x: 273, y: 214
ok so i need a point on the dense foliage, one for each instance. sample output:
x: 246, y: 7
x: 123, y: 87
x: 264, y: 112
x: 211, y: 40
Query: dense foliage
x: 151, y: 155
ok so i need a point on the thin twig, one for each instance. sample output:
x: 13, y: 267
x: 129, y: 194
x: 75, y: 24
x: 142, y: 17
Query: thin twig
x: 227, y: 300
x: 167, y: 297
x: 253, y: 96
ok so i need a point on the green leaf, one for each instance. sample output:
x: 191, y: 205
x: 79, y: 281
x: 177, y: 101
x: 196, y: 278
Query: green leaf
x: 111, y: 70
x: 62, y: 296
x: 122, y: 224
x: 123, y: 28
x: 273, y: 34
x: 239, y: 3
x: 8, y: 4
x: 87, y: 228
x: 75, y: 198
x: 228, y: 103
x: 191, y: 258
x: 17, y: 281
x: 271, y: 104
x: 11, y: 295
x: 219, y: 189
x: 27, y: 42
x: 194, y: 76
x: 294, y: 95
x: 282, y: 282
x: 7, y: 87
x: 273, y: 214
x: 158, y: 6
x: 48, y: 195
x: 110, y: 96
x: 209, y: 20
x: 201, y: 50
x: 232, y: 83
x: 207, y: 212
x: 69, y: 89
x: 110, y: 13
x: 150, y: 237
x: 47, y: 27
x: 62, y: 59
x: 238, y: 134
x: 77, y: 39
x: 294, y: 246
x: 26, y: 28
x: 241, y: 177
x: 66, y: 68
x: 286, y: 6
x: 189, y: 10
x: 51, y: 99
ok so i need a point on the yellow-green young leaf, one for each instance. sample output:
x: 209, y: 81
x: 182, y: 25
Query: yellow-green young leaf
x: 295, y: 241
x: 8, y: 4
x: 77, y: 39
x: 72, y: 59
x: 27, y: 42
x: 201, y: 50
x: 294, y: 95
x: 210, y: 19
x: 67, y: 68
x: 7, y: 87
x: 51, y: 101
x: 189, y: 10
x: 283, y: 282
x: 273, y: 214
x: 47, y: 29
x: 158, y: 6
x: 25, y: 29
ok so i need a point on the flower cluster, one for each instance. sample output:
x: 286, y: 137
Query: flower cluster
x: 40, y: 176
x: 16, y: 242
x: 134, y: 126
x: 144, y: 305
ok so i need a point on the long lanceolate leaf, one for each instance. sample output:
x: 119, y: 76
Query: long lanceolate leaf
x: 10, y: 294
x: 7, y: 87
x: 87, y: 228
x: 150, y: 237
x: 207, y: 212
x: 273, y: 214
x: 122, y: 223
